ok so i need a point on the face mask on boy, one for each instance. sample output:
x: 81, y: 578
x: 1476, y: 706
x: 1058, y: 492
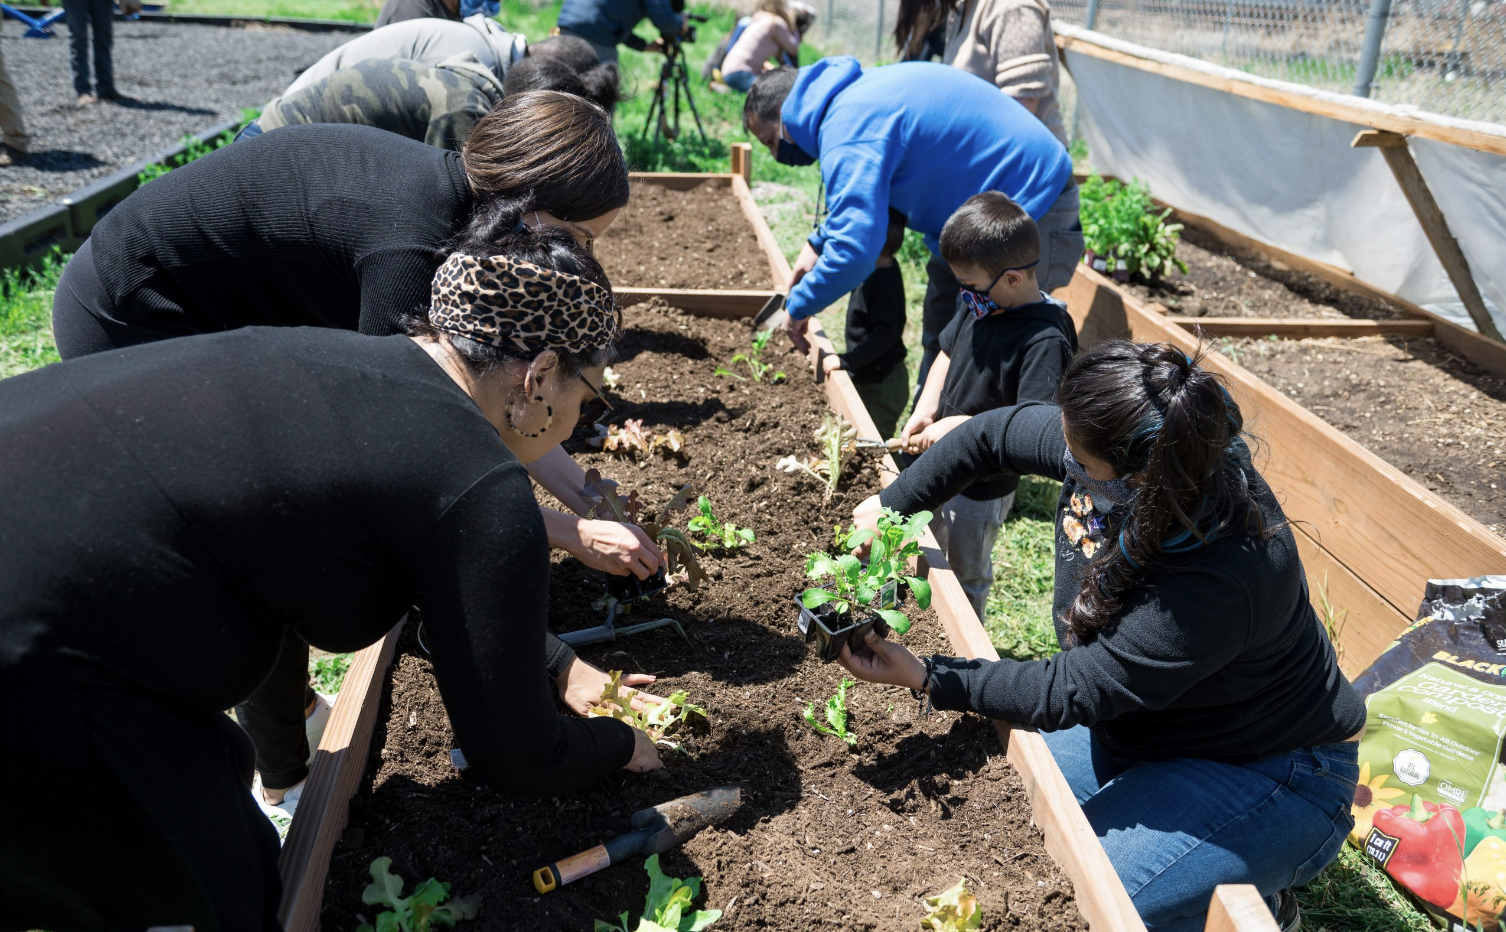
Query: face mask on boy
x: 1106, y: 493
x: 980, y: 303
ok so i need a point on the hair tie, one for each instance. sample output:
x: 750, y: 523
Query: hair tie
x: 511, y: 304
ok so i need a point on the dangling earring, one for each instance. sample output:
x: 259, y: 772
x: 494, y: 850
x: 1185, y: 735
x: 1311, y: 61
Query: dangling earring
x: 513, y: 420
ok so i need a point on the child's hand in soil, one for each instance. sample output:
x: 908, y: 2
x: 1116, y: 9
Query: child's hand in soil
x: 881, y: 661
x: 865, y: 517
x: 581, y: 685
x: 645, y: 755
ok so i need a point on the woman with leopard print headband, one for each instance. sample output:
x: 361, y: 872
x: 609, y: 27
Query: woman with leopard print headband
x: 274, y: 481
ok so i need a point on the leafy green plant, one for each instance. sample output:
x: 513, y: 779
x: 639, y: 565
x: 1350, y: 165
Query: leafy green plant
x: 838, y: 445
x: 655, y: 720
x: 855, y: 584
x: 721, y: 533
x: 1121, y: 224
x: 667, y: 908
x: 953, y: 910
x: 836, y: 715
x: 679, y: 553
x: 328, y: 672
x: 424, y: 909
x: 754, y: 359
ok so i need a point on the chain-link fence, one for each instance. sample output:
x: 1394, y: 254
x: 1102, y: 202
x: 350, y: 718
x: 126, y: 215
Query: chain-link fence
x: 1445, y: 56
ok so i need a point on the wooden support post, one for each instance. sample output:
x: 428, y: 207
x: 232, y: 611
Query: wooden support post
x: 742, y: 160
x: 1238, y: 908
x: 1394, y: 147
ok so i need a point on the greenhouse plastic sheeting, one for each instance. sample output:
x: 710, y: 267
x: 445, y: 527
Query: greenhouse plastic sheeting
x: 1290, y: 179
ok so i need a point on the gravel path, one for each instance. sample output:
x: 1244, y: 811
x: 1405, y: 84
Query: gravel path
x: 184, y: 79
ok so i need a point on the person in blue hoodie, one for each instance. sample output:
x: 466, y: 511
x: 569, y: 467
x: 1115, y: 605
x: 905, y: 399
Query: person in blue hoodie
x: 920, y: 138
x: 607, y: 24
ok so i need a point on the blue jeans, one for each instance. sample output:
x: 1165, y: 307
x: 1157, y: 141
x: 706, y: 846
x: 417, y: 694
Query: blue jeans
x: 741, y: 81
x: 1175, y: 829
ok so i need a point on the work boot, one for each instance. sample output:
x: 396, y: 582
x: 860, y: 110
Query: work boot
x: 85, y: 100
x: 10, y: 156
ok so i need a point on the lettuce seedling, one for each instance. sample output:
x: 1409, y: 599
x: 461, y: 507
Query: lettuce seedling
x: 678, y: 551
x: 722, y: 534
x: 631, y: 439
x: 667, y: 906
x: 953, y: 910
x: 836, y: 715
x: 838, y: 444
x: 855, y: 585
x: 421, y: 911
x: 753, y: 357
x: 656, y: 719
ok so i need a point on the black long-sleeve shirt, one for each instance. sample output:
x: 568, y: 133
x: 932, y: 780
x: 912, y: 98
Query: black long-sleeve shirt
x: 875, y: 330
x: 173, y: 507
x: 332, y: 225
x: 1216, y: 654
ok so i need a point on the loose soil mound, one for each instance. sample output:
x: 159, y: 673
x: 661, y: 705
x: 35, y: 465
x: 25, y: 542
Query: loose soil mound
x: 827, y: 836
x: 1226, y: 283
x: 1434, y: 416
x: 683, y: 239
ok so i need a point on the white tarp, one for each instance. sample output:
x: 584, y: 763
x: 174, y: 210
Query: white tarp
x: 1290, y: 179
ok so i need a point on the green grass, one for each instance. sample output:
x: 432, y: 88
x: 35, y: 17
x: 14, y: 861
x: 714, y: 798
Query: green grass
x: 358, y: 11
x: 1019, y: 607
x: 26, y: 316
x: 327, y: 672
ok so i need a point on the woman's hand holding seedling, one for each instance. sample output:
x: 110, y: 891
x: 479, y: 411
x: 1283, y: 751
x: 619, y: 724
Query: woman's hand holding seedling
x: 882, y: 661
x: 645, y: 755
x: 619, y: 549
x: 865, y: 517
x: 581, y: 685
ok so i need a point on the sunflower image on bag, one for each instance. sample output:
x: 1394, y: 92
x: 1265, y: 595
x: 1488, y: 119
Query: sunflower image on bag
x: 1430, y: 804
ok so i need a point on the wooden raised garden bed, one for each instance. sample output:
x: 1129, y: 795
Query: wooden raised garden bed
x: 790, y: 859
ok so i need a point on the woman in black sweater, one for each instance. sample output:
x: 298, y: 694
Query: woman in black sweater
x: 188, y: 501
x: 1197, y: 709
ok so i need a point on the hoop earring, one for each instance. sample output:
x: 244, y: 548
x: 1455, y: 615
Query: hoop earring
x: 509, y: 406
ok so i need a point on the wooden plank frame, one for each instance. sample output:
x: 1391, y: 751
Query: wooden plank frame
x: 1069, y: 839
x: 1298, y: 328
x: 1373, y: 533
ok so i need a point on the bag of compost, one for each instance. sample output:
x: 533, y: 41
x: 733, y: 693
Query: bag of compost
x: 1431, y: 802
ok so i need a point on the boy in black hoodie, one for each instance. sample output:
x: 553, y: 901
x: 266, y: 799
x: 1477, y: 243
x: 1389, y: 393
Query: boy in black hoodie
x: 875, y: 355
x: 1010, y: 343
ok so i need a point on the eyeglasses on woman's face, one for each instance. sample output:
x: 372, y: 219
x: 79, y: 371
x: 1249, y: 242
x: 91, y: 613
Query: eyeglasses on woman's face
x: 588, y: 413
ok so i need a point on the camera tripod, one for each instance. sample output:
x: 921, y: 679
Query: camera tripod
x: 672, y: 74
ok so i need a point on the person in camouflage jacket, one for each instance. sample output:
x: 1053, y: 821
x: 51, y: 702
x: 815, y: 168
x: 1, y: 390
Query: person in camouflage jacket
x: 437, y: 105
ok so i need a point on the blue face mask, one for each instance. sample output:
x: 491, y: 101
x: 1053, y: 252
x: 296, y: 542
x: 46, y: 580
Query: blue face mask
x: 472, y: 7
x: 787, y: 153
x: 980, y: 303
x: 1106, y: 493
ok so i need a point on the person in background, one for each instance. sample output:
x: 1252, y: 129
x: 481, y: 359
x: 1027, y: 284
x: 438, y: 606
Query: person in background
x: 920, y: 29
x: 599, y: 85
x: 193, y: 504
x: 98, y: 15
x: 1011, y: 345
x: 399, y: 11
x: 1197, y: 709
x: 770, y: 33
x: 437, y: 105
x: 1009, y: 43
x: 426, y: 41
x: 918, y: 137
x: 874, y: 357
x: 14, y: 141
x: 607, y: 24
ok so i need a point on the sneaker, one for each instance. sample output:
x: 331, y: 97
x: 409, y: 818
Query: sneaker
x: 10, y: 156
x: 279, y: 814
x: 116, y: 96
x: 313, y: 726
x: 1288, y: 915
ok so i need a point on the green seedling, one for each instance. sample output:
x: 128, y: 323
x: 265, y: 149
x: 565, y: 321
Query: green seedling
x: 723, y: 534
x: 1120, y: 223
x: 854, y: 585
x: 679, y: 553
x: 667, y: 908
x: 838, y: 444
x: 630, y: 440
x: 655, y: 720
x: 754, y: 359
x: 953, y: 910
x: 836, y: 715
x: 421, y: 911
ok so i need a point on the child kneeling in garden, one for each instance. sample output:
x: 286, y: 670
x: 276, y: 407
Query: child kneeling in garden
x: 1197, y: 711
x: 1008, y: 342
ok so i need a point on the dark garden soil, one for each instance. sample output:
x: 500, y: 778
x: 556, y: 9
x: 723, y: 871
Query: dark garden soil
x: 826, y: 837
x: 1233, y: 283
x: 1437, y: 418
x: 683, y: 239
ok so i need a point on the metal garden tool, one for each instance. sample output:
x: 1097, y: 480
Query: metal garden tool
x: 893, y: 443
x: 608, y: 631
x: 771, y: 307
x: 656, y: 830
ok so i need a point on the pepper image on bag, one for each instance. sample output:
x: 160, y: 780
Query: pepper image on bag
x: 1485, y: 883
x: 1370, y: 796
x: 1480, y: 824
x: 1421, y: 846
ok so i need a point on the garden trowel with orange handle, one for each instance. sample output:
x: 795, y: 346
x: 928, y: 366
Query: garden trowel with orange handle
x: 655, y: 831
